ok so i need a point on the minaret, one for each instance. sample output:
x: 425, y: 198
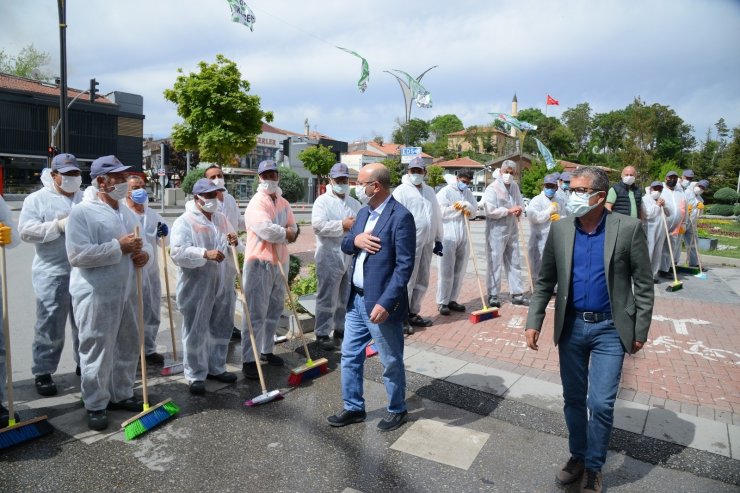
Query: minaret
x: 514, y: 113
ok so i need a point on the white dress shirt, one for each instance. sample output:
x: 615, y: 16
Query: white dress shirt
x: 358, y: 278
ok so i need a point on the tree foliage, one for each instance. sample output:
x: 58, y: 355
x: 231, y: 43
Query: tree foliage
x: 443, y: 125
x: 29, y: 63
x: 221, y: 119
x: 290, y: 183
x: 578, y: 121
x: 318, y: 160
x: 395, y: 167
x: 189, y: 181
x: 417, y: 131
x: 435, y: 176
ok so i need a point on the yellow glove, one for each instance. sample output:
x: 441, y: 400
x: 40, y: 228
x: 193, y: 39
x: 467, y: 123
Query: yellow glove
x: 690, y: 208
x: 700, y: 206
x: 554, y: 217
x: 554, y: 207
x: 681, y: 230
x: 5, y: 234
x: 458, y: 206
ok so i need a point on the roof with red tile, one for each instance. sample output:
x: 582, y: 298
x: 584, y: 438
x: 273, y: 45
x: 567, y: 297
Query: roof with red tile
x: 461, y: 162
x: 266, y: 127
x: 392, y: 149
x: 22, y: 84
x: 364, y: 153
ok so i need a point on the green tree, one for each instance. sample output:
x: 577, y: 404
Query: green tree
x: 608, y: 135
x: 291, y: 184
x: 532, y: 178
x: 728, y: 164
x: 318, y: 160
x: 578, y: 121
x: 395, y: 168
x: 418, y: 132
x: 29, y: 63
x: 221, y: 119
x: 189, y: 181
x: 443, y: 125
x: 435, y: 176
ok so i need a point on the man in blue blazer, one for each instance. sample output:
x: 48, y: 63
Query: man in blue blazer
x: 382, y: 242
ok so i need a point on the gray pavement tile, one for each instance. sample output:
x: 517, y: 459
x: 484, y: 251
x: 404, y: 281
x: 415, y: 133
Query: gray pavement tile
x: 451, y: 445
x: 484, y: 378
x: 433, y: 365
x: 409, y: 351
x: 74, y: 424
x: 537, y: 393
x: 734, y: 433
x: 630, y: 416
x: 688, y: 430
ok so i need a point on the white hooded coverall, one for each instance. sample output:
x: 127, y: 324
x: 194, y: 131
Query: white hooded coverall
x: 539, y: 212
x: 502, y: 236
x: 652, y: 213
x: 675, y: 206
x: 455, y: 245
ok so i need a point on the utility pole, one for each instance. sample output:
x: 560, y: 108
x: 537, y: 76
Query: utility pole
x: 63, y: 114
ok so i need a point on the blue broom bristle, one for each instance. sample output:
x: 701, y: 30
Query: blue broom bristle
x: 150, y: 420
x: 23, y: 433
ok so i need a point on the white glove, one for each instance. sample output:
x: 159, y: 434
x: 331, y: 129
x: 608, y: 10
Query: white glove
x: 62, y: 224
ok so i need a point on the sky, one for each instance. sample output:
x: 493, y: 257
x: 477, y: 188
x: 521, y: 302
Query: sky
x: 679, y: 53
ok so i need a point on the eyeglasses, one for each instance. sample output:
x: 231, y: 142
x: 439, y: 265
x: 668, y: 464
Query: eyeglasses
x: 584, y: 192
x: 366, y: 183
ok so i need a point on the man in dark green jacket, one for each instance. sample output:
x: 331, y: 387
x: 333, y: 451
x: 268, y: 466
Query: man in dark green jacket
x: 603, y: 309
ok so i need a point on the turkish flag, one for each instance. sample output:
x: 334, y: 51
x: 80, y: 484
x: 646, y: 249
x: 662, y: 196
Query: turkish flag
x: 551, y: 101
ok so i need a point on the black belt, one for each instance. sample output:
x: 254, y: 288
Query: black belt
x: 357, y: 290
x: 594, y: 317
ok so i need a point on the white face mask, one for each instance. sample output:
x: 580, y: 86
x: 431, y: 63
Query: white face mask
x: 416, y: 179
x: 268, y: 186
x: 628, y: 180
x: 119, y: 191
x: 655, y: 194
x: 578, y: 206
x: 362, y: 196
x: 698, y: 190
x: 209, y: 205
x: 219, y: 182
x: 506, y: 177
x: 685, y: 183
x: 71, y: 184
x: 340, y: 189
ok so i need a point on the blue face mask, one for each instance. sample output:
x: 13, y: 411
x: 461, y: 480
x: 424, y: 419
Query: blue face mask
x: 549, y: 193
x: 566, y: 185
x: 461, y: 186
x: 139, y: 196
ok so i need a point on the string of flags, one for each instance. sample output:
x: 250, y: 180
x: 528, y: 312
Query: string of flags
x: 510, y: 120
x: 365, y: 71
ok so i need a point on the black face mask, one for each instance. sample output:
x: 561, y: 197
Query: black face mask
x: 671, y: 182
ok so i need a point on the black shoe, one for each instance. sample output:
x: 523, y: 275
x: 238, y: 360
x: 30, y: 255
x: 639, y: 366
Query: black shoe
x: 198, y: 387
x: 665, y: 274
x: 5, y: 415
x: 494, y: 302
x: 326, y: 343
x: 78, y: 371
x: 45, y: 386
x: 345, y: 418
x: 656, y: 281
x: 250, y: 371
x: 236, y: 334
x: 444, y: 310
x: 519, y: 299
x: 391, y: 421
x: 455, y: 306
x: 417, y: 321
x: 272, y: 360
x: 97, y: 420
x: 155, y: 359
x: 338, y: 334
x: 225, y: 377
x: 131, y: 404
x: 407, y: 329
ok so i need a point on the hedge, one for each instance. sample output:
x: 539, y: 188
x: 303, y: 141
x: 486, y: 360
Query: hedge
x: 721, y: 209
x: 725, y: 195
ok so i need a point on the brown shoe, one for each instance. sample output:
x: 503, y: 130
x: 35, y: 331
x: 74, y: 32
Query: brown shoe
x: 591, y: 482
x: 571, y: 472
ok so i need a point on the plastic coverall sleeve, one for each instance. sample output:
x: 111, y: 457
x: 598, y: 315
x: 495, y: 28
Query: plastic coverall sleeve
x: 261, y: 224
x: 30, y: 225
x: 182, y: 249
x: 539, y: 210
x: 490, y: 204
x: 7, y: 220
x: 321, y: 222
x: 81, y: 251
x: 436, y: 213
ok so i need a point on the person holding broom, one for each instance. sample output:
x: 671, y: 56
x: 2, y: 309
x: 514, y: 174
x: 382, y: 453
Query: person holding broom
x: 104, y: 252
x: 199, y: 246
x: 7, y: 221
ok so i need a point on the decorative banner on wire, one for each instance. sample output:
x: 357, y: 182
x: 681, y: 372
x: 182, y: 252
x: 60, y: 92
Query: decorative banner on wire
x: 510, y: 120
x: 422, y: 97
x: 364, y: 75
x: 242, y: 14
x: 545, y: 153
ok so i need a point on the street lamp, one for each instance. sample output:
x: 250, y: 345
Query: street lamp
x: 407, y: 99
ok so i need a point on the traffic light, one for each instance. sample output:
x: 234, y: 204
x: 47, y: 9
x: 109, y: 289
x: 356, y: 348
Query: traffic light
x: 52, y: 151
x: 93, y: 89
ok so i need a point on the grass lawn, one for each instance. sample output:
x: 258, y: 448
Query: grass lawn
x: 727, y: 231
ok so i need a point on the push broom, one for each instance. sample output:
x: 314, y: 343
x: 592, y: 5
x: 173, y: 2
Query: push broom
x: 676, y: 283
x: 177, y: 366
x: 266, y: 396
x: 310, y: 369
x: 154, y: 415
x: 485, y: 313
x: 23, y: 431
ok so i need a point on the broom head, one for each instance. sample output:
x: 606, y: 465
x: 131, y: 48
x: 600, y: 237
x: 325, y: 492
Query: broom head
x: 483, y: 315
x: 148, y: 419
x: 264, y: 398
x: 17, y: 433
x: 308, y: 371
x: 172, y: 369
x: 674, y: 286
x: 370, y: 350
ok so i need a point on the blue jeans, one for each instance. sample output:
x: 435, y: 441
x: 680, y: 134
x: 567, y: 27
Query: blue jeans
x: 358, y: 331
x: 590, y: 386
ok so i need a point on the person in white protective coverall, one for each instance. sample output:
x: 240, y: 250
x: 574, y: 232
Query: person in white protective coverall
x: 694, y: 206
x: 104, y: 254
x: 457, y: 205
x: 563, y: 191
x: 42, y: 222
x: 7, y: 221
x: 227, y: 206
x: 270, y: 227
x: 420, y: 199
x: 542, y: 211
x: 652, y: 212
x: 675, y: 210
x: 200, y: 247
x: 502, y: 202
x: 153, y: 228
x: 333, y: 215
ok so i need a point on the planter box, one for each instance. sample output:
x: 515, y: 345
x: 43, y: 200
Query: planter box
x: 707, y: 243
